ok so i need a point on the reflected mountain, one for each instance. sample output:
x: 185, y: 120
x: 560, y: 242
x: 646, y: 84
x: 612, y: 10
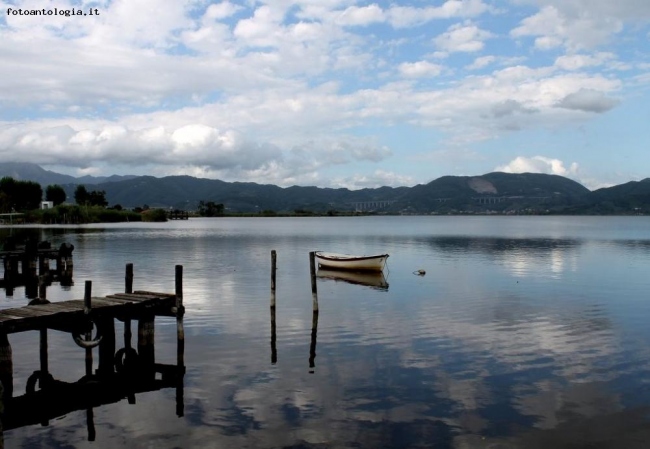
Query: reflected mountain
x: 368, y: 279
x: 500, y: 245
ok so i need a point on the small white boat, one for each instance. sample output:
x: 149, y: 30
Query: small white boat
x: 350, y: 262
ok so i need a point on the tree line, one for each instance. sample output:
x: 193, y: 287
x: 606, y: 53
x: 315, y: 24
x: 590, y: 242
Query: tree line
x: 16, y: 195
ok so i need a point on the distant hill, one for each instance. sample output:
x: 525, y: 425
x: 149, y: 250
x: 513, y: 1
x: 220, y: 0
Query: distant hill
x: 490, y: 193
x: 26, y: 171
x: 495, y: 191
x: 631, y: 196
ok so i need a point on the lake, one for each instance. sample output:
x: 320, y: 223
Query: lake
x: 525, y: 332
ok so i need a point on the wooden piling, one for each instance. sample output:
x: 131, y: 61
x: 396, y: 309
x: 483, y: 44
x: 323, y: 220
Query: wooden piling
x: 128, y: 278
x: 312, y: 271
x: 274, y: 258
x: 87, y: 297
x: 179, y: 289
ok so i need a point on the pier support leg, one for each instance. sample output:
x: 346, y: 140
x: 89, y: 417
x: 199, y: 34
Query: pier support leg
x: 180, y: 309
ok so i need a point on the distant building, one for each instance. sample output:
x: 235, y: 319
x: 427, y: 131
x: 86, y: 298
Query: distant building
x: 47, y: 204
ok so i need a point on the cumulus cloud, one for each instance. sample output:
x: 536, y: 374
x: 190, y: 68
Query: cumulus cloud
x: 539, y: 164
x: 232, y: 88
x: 464, y: 37
x: 378, y: 178
x: 588, y: 100
x: 579, y: 24
x: 419, y: 69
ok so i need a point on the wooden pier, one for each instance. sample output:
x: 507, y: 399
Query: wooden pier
x: 119, y: 375
x: 23, y: 265
x: 179, y: 215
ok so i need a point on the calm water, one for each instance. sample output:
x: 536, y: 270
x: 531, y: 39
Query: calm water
x: 525, y: 332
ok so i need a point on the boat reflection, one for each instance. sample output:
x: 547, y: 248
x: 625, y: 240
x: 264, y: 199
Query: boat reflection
x: 375, y: 280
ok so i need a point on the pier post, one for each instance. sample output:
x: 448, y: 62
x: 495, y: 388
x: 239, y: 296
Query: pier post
x: 41, y: 264
x: 312, y: 271
x: 128, y: 278
x: 179, y: 290
x: 273, y: 270
x: 88, y: 288
x: 274, y: 258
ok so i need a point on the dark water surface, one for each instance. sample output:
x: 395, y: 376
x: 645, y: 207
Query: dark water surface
x: 525, y: 332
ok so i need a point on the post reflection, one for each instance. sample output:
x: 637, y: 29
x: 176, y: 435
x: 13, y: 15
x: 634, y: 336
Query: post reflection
x: 314, y: 332
x: 119, y: 375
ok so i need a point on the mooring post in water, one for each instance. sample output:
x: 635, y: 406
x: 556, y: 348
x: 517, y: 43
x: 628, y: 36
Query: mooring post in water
x: 179, y: 290
x: 274, y: 258
x: 128, y: 278
x: 312, y: 271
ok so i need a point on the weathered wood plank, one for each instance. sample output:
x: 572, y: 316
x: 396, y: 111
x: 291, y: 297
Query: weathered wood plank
x: 160, y: 294
x: 69, y: 314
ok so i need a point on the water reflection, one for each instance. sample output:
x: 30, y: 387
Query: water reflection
x: 368, y: 279
x: 506, y: 343
x: 120, y: 375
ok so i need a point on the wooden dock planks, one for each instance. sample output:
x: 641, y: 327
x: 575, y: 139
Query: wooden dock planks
x: 53, y: 315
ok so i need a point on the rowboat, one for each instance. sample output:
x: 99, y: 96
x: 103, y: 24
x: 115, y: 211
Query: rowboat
x: 372, y: 279
x: 349, y: 262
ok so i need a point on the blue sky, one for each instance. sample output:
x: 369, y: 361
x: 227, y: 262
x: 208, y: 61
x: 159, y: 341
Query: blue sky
x: 337, y: 93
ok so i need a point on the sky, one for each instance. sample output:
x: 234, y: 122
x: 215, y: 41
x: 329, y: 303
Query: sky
x: 332, y: 93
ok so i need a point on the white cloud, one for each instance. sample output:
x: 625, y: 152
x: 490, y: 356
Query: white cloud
x: 580, y: 61
x: 361, y: 16
x: 480, y: 62
x: 539, y: 164
x: 378, y: 178
x: 419, y: 69
x: 464, y: 37
x: 579, y: 24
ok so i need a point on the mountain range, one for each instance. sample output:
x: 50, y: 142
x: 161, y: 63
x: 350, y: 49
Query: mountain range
x: 492, y: 192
